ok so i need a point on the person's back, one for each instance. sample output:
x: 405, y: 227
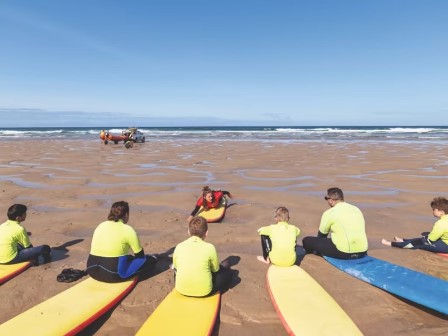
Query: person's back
x: 279, y: 240
x: 113, y: 239
x: 347, y: 226
x: 194, y: 261
x: 196, y: 266
x: 11, y: 233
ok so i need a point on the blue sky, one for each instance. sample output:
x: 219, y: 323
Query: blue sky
x: 233, y: 62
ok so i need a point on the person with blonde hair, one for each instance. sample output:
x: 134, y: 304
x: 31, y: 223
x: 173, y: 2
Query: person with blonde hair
x: 278, y: 241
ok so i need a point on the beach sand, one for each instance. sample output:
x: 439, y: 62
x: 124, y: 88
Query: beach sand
x: 69, y: 186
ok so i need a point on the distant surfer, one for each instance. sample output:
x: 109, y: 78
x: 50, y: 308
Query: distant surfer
x: 345, y: 224
x: 434, y: 241
x: 15, y: 245
x: 209, y: 199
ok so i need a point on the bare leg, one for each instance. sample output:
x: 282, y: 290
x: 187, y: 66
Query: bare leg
x: 386, y: 242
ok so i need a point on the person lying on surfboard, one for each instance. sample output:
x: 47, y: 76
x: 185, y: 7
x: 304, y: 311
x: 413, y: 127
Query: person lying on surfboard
x: 209, y: 199
x: 109, y: 259
x: 345, y: 222
x: 15, y: 245
x: 278, y: 241
x: 434, y: 241
x: 196, y: 266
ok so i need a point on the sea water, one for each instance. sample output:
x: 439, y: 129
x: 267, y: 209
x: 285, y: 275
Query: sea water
x: 396, y: 134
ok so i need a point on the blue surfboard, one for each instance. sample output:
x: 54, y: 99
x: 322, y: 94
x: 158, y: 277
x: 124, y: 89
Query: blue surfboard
x: 414, y: 286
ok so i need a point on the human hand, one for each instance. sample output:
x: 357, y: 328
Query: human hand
x: 189, y: 218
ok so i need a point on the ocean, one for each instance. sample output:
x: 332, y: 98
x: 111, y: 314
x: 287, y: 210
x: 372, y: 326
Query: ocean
x: 397, y: 134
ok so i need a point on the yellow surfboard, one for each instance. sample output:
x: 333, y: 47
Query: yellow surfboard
x: 304, y: 307
x: 69, y: 312
x: 182, y: 315
x: 10, y: 271
x: 215, y: 214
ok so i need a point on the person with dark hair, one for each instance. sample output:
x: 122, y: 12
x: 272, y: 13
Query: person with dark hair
x: 195, y: 262
x: 434, y: 241
x: 209, y: 199
x: 345, y: 223
x: 278, y: 241
x: 15, y: 245
x: 109, y: 259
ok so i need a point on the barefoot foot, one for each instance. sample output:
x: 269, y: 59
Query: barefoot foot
x: 398, y: 239
x: 386, y: 242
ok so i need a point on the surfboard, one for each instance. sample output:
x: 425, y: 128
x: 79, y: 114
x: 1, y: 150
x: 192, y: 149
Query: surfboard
x: 411, y: 285
x: 69, y: 312
x: 304, y: 307
x: 183, y: 315
x: 8, y: 272
x: 215, y: 214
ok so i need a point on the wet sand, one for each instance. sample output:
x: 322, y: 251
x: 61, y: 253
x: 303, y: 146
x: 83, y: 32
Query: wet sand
x: 69, y: 187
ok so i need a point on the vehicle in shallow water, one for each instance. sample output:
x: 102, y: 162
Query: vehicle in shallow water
x: 128, y: 136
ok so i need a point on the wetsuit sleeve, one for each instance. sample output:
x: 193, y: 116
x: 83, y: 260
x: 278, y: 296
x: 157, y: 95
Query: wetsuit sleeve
x: 322, y: 235
x: 226, y: 193
x: 140, y: 254
x: 195, y: 210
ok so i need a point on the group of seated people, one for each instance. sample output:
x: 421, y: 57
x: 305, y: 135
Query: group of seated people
x: 195, y: 262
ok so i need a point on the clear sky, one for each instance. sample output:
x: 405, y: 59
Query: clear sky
x: 228, y: 62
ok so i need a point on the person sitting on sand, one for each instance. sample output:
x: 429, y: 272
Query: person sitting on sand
x: 278, y: 241
x: 210, y: 199
x: 434, y: 241
x: 196, y: 266
x: 109, y: 259
x: 345, y: 222
x: 15, y: 245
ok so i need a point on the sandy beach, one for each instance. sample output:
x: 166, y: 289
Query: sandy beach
x: 69, y: 186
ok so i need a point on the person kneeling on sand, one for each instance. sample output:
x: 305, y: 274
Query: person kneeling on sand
x: 345, y: 222
x: 15, y: 245
x: 109, y: 259
x: 278, y: 241
x: 196, y: 267
x: 434, y: 241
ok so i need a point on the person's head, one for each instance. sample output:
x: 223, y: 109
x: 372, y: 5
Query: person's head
x: 439, y: 206
x: 207, y: 195
x: 281, y: 214
x: 17, y: 212
x: 119, y: 210
x: 334, y: 196
x: 198, y: 227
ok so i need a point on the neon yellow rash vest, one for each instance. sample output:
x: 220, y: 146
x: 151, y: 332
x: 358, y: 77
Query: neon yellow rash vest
x: 114, y: 239
x: 11, y: 234
x: 440, y: 230
x: 346, y: 224
x: 194, y: 261
x: 283, y: 238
